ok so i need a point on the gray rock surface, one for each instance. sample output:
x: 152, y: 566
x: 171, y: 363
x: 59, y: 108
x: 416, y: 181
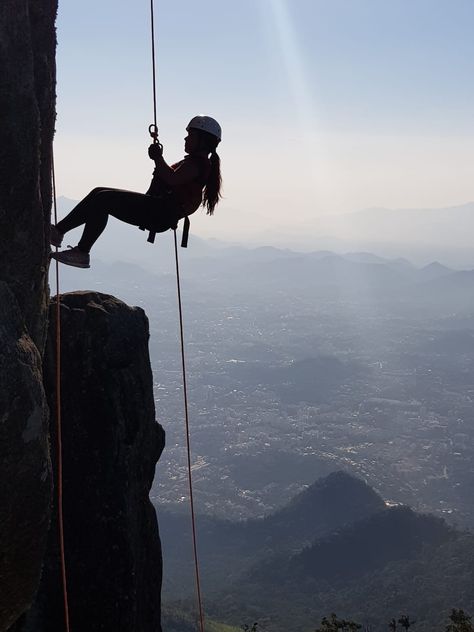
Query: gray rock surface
x: 27, y: 115
x: 27, y: 98
x: 111, y: 443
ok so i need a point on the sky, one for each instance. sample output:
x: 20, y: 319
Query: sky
x: 327, y: 107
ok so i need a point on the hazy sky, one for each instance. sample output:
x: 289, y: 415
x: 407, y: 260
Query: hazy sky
x: 326, y: 106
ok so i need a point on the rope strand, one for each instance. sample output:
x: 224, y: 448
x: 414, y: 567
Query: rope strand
x: 183, y: 363
x: 59, y: 481
x: 153, y: 62
x: 188, y: 440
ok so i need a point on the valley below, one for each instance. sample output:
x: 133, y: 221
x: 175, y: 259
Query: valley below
x: 303, y: 367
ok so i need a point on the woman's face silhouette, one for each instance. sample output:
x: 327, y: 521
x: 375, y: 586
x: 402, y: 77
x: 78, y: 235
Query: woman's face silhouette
x: 191, y: 142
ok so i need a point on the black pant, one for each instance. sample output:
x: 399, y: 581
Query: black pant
x: 154, y: 213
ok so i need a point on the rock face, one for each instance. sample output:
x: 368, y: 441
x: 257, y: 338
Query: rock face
x: 111, y: 443
x: 27, y: 99
x: 25, y: 482
x: 27, y: 113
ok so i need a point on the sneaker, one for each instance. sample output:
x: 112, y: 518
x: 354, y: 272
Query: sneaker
x: 56, y: 238
x: 72, y: 257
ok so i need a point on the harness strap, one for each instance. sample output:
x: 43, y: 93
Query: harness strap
x: 185, y: 237
x: 188, y: 446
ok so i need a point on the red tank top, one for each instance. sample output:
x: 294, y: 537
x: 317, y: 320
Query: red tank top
x: 189, y: 195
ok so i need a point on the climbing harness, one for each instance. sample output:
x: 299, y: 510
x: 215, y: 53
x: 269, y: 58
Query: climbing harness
x: 154, y: 128
x: 59, y: 448
x: 188, y: 439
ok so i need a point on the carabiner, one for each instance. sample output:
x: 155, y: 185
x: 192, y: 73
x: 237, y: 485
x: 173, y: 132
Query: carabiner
x: 153, y: 131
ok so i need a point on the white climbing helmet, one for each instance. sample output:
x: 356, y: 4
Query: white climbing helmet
x: 206, y: 124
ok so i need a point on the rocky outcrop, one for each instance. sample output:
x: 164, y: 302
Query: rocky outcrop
x: 27, y: 96
x: 111, y: 443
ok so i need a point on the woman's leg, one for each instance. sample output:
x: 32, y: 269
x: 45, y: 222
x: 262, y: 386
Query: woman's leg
x: 93, y: 211
x: 88, y: 211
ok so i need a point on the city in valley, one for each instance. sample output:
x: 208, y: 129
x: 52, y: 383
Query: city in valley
x: 299, y: 364
x: 314, y: 364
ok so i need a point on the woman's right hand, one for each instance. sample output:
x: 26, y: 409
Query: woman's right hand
x: 155, y: 151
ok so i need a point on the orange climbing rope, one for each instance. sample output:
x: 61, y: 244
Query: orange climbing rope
x: 153, y: 129
x: 154, y: 133
x: 188, y: 440
x: 59, y: 448
x: 59, y: 482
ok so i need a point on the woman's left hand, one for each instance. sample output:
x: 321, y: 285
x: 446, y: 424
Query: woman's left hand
x: 155, y: 151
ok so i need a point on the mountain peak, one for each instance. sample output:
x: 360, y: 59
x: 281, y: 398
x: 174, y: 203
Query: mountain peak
x: 326, y: 505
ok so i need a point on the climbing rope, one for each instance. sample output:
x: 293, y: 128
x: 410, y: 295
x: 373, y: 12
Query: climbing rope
x: 188, y: 439
x: 59, y: 448
x: 153, y: 129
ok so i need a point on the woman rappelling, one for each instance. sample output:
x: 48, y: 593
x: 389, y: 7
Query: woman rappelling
x: 175, y: 192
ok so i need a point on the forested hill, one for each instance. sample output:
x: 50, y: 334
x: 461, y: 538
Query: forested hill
x: 326, y: 505
x: 336, y: 547
x: 231, y: 548
x: 393, y: 562
x: 395, y: 534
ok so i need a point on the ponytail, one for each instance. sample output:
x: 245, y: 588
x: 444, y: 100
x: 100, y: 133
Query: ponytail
x: 212, y: 190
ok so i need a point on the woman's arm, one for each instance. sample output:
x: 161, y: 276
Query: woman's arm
x: 186, y: 172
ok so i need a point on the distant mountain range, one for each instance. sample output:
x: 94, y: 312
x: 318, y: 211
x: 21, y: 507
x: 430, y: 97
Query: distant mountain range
x: 218, y: 269
x: 421, y: 235
x: 335, y: 548
x: 446, y: 234
x: 351, y: 276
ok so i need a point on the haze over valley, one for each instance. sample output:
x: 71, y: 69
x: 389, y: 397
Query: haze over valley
x: 422, y: 236
x: 313, y: 362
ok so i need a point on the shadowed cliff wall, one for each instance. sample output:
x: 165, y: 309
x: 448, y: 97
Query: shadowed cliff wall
x: 27, y: 101
x: 27, y: 114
